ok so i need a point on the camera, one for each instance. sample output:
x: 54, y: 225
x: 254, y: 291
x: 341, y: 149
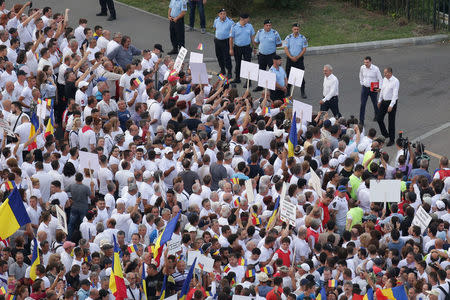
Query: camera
x: 377, y: 153
x: 404, y: 142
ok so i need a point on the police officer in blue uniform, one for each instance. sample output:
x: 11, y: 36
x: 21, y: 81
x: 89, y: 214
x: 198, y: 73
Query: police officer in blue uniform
x: 295, y: 49
x: 177, y: 10
x: 268, y: 40
x: 223, y: 25
x: 281, y: 80
x: 242, y: 36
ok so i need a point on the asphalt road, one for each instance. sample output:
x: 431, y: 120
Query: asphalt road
x: 422, y: 70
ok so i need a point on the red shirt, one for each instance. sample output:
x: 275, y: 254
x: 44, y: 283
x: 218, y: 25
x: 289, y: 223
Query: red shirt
x: 190, y: 294
x: 326, y: 214
x: 271, y: 296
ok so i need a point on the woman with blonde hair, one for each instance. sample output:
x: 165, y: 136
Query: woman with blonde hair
x: 74, y: 139
x: 115, y: 127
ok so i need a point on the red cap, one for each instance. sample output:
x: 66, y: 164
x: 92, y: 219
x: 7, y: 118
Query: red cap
x: 172, y: 78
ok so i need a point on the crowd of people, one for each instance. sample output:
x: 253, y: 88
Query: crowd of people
x: 209, y: 157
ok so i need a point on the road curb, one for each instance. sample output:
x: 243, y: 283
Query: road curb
x: 339, y: 48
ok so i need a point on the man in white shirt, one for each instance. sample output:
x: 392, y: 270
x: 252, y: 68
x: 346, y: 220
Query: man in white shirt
x: 330, y: 92
x: 87, y: 135
x: 114, y: 43
x: 387, y: 103
x: 79, y: 31
x: 371, y: 81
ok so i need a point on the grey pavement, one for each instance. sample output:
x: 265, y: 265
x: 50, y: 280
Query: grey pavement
x: 422, y: 70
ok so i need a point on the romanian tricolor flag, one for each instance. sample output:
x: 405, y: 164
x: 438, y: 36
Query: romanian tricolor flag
x: 201, y: 266
x: 237, y: 201
x: 185, y: 289
x: 266, y: 110
x: 13, y: 214
x: 35, y: 260
x: 144, y: 282
x: 137, y: 81
x: 234, y: 180
x: 50, y: 128
x: 200, y: 46
x: 242, y: 262
x: 163, y: 290
x: 266, y: 270
x: 11, y: 297
x: 292, y: 141
x: 226, y: 269
x: 332, y: 283
x: 2, y: 290
x: 164, y: 237
x: 116, y: 281
x: 37, y: 55
x: 221, y: 77
x: 233, y: 282
x: 255, y: 219
x: 273, y: 217
x: 322, y: 294
x: 250, y: 273
x: 132, y: 248
x: 286, y: 100
x: 33, y: 128
x: 395, y: 293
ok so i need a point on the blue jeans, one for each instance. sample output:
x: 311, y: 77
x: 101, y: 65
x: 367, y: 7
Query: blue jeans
x: 365, y: 93
x: 75, y: 219
x: 201, y: 12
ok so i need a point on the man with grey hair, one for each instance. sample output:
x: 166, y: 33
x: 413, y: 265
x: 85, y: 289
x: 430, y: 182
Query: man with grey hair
x: 103, y: 40
x: 114, y: 43
x: 330, y: 92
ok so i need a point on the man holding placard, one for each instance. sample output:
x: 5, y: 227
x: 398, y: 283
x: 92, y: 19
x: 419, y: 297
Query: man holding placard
x: 295, y: 49
x: 223, y: 24
x: 242, y: 35
x: 281, y: 83
x: 177, y: 10
x: 268, y: 40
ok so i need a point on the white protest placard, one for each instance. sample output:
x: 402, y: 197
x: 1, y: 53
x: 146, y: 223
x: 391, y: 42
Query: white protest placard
x: 249, y: 191
x: 421, y: 219
x: 199, y: 74
x: 249, y: 70
x: 283, y: 191
x: 288, y: 212
x: 180, y: 58
x: 205, y: 263
x: 192, y: 255
x: 196, y: 57
x: 5, y: 126
x: 239, y: 297
x: 314, y: 182
x: 89, y: 161
x: 296, y: 77
x: 385, y: 190
x: 267, y: 79
x: 62, y: 219
x: 174, y: 246
x: 41, y: 110
x: 173, y: 297
x: 303, y: 110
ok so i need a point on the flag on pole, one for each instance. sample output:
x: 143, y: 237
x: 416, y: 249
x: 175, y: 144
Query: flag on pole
x: 50, y: 128
x: 33, y: 128
x: 185, y: 289
x: 35, y: 260
x: 13, y: 214
x: 164, y: 237
x: 163, y: 290
x: 273, y: 217
x: 116, y: 280
x: 144, y: 282
x: 292, y: 141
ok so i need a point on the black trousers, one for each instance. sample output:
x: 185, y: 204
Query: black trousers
x: 108, y: 4
x: 241, y: 52
x: 299, y: 64
x: 332, y: 104
x: 223, y: 54
x: 365, y: 93
x: 277, y: 95
x: 60, y: 104
x: 391, y: 118
x: 265, y: 61
x: 177, y: 34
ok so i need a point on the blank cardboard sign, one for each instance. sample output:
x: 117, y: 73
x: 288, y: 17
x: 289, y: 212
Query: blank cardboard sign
x: 296, y: 77
x: 267, y: 79
x: 249, y: 70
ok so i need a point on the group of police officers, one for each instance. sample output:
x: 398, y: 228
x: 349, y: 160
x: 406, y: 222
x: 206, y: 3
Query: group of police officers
x: 238, y: 40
